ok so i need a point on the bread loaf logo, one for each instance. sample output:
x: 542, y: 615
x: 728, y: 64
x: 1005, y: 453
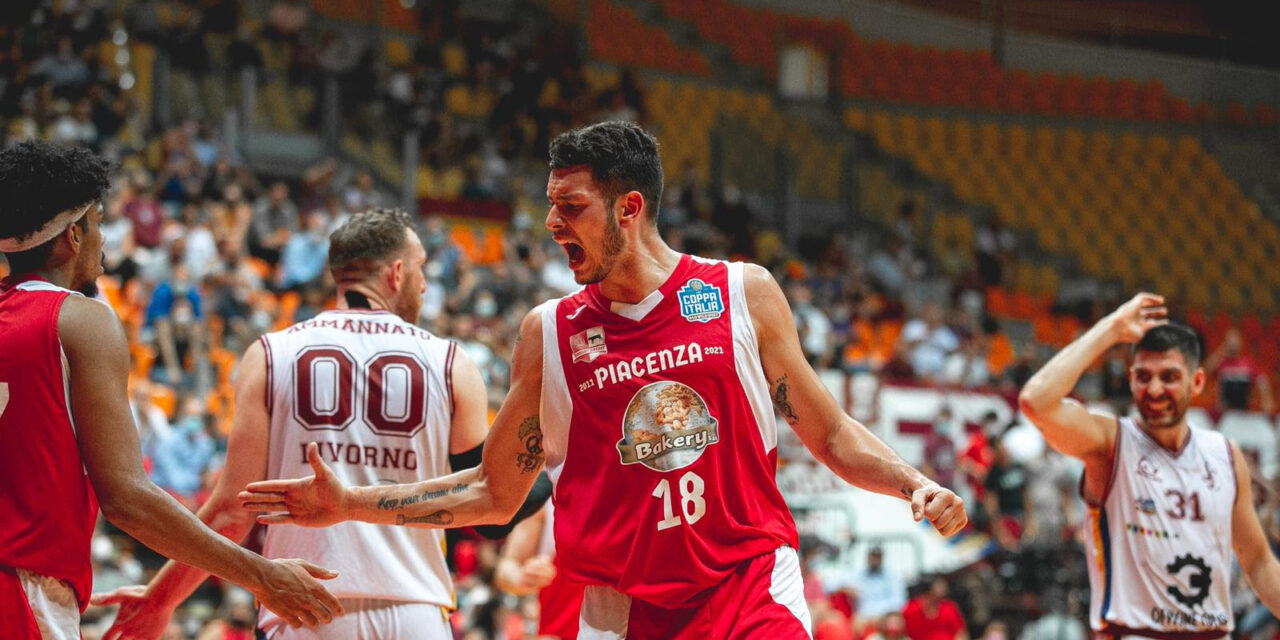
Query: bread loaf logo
x: 666, y: 426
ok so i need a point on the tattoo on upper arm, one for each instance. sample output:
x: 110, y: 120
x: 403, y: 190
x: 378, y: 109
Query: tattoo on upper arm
x: 439, y: 517
x: 781, y: 401
x: 530, y: 435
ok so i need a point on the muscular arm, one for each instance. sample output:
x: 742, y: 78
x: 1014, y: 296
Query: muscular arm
x: 488, y: 494
x: 98, y: 358
x: 841, y: 443
x: 246, y: 462
x: 1250, y: 543
x: 518, y: 551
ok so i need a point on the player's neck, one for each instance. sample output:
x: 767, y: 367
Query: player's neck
x: 641, y: 271
x: 1171, y: 439
x: 361, y: 298
x: 55, y: 277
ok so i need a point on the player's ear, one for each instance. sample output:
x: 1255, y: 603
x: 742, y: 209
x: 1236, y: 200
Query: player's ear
x: 628, y: 206
x: 1198, y: 380
x: 395, y: 275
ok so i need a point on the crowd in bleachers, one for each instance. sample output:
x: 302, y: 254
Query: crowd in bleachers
x: 203, y: 255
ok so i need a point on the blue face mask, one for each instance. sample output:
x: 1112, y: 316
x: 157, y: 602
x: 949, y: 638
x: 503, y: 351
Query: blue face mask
x: 190, y: 425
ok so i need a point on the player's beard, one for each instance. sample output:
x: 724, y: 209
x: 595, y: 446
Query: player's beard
x: 1168, y: 417
x: 614, y: 243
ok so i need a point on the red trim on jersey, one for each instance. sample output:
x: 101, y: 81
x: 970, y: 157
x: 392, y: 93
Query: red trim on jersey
x: 15, y: 609
x: 448, y: 374
x: 1231, y: 458
x: 1115, y: 631
x: 270, y: 391
x: 1111, y: 480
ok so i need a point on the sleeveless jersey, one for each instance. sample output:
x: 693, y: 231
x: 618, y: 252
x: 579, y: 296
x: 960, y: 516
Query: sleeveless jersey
x: 560, y: 602
x: 660, y: 437
x: 374, y: 392
x: 47, y: 506
x: 1159, y: 547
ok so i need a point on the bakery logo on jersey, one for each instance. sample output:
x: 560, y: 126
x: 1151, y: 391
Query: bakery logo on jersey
x: 588, y: 345
x: 699, y: 301
x: 666, y: 426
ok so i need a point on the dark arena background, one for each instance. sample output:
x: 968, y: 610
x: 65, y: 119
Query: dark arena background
x: 948, y: 193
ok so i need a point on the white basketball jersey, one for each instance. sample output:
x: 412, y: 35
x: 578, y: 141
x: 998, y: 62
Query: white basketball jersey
x: 374, y: 391
x: 1159, y: 545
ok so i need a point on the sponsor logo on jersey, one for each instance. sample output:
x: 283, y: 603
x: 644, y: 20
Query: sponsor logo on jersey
x: 1148, y: 469
x: 666, y: 426
x: 1199, y: 578
x: 588, y: 345
x: 652, y: 363
x: 1210, y: 477
x: 1140, y: 530
x: 699, y: 301
x: 1145, y: 505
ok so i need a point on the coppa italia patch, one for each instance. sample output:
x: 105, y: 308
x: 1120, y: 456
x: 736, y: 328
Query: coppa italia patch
x: 699, y: 301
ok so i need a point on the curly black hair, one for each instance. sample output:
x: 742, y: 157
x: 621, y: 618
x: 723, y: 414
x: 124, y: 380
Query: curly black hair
x: 39, y: 180
x: 623, y: 157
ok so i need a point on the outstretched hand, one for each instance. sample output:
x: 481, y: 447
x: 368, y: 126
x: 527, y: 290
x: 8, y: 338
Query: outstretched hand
x: 941, y: 507
x: 139, y: 617
x: 314, y: 501
x: 1139, y: 315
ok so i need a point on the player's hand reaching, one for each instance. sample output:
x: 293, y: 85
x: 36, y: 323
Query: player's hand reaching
x: 1136, y: 317
x: 139, y: 618
x: 537, y: 572
x: 941, y: 507
x: 313, y: 501
x: 290, y: 590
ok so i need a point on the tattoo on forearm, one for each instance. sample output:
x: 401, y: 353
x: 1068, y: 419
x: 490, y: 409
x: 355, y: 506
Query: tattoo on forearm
x: 388, y: 503
x: 781, y: 401
x: 439, y: 517
x: 530, y: 435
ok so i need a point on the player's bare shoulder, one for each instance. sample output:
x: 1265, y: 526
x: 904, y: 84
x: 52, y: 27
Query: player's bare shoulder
x: 86, y: 321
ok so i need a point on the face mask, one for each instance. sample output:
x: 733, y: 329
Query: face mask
x: 191, y: 425
x: 486, y: 307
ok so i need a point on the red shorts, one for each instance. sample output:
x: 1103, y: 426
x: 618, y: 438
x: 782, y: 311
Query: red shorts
x: 19, y: 622
x: 762, y: 598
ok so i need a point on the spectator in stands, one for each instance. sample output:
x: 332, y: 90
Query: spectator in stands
x: 175, y: 315
x: 152, y: 423
x: 1006, y: 498
x: 879, y: 592
x: 275, y: 218
x: 967, y: 366
x: 117, y: 242
x: 940, y: 449
x: 993, y: 246
x: 813, y: 325
x: 1115, y: 379
x: 181, y: 458
x: 1056, y: 508
x: 995, y: 630
x: 1237, y: 375
x: 891, y: 627
x: 362, y: 194
x: 933, y: 616
x: 1059, y: 621
x: 928, y: 342
x: 305, y: 254
x: 145, y: 212
x: 200, y: 248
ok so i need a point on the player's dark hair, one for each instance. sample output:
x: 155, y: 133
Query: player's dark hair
x: 365, y: 241
x: 622, y: 156
x: 1173, y: 336
x: 39, y: 180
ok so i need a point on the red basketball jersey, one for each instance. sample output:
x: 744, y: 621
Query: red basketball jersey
x: 47, y: 507
x: 660, y: 436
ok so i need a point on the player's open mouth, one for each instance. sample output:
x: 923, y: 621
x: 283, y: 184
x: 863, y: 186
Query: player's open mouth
x: 1159, y: 406
x: 576, y: 254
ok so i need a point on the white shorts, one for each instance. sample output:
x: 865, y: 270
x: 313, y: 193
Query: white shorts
x: 368, y: 619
